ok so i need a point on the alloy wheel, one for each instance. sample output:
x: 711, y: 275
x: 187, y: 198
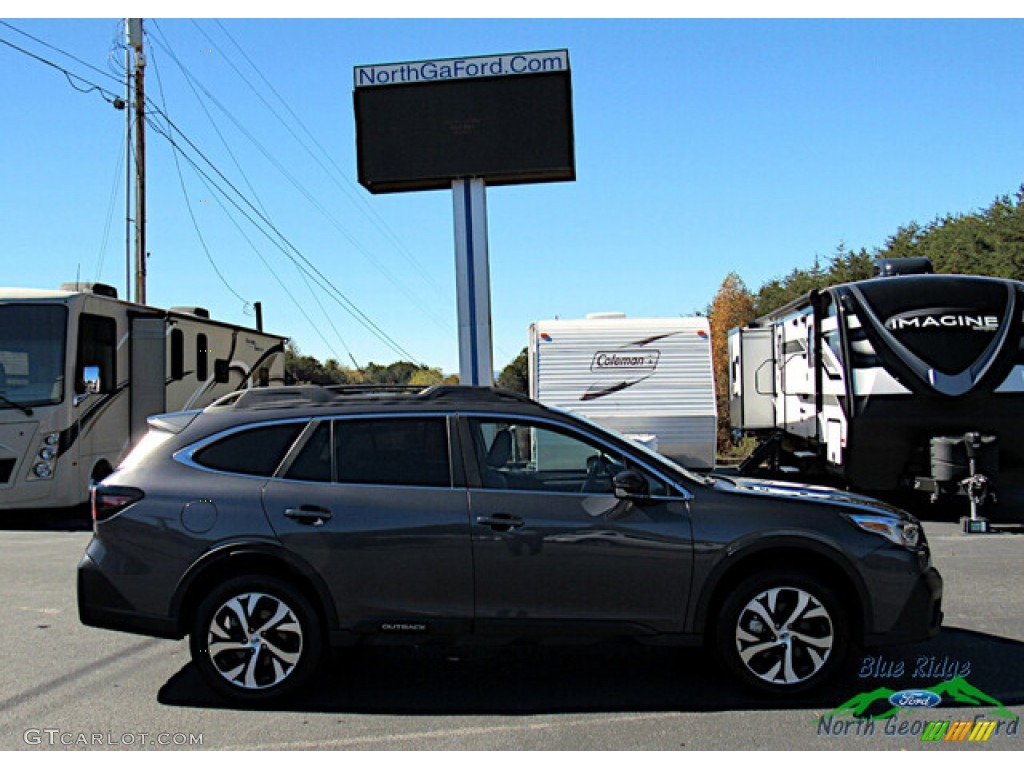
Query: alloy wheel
x: 784, y: 635
x: 254, y: 640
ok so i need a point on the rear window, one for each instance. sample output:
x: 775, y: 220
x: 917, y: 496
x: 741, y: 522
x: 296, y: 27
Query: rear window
x: 255, y: 451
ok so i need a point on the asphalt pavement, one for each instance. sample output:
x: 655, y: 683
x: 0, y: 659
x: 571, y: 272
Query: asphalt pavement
x: 70, y: 687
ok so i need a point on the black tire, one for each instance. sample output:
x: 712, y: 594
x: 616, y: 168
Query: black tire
x: 256, y: 638
x: 782, y: 631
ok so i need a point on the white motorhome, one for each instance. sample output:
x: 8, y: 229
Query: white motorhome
x: 649, y: 378
x: 81, y: 370
x: 908, y: 380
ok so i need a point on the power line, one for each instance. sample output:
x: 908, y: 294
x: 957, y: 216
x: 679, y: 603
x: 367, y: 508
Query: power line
x: 118, y: 167
x: 357, y: 199
x: 202, y: 104
x: 261, y: 207
x: 188, y: 204
x: 227, y: 146
x: 347, y: 304
x: 280, y: 282
x: 108, y: 96
x: 413, y: 296
x: 309, y: 268
x: 245, y: 236
x: 58, y: 50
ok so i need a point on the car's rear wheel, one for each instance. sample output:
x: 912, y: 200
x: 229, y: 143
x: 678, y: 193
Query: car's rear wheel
x: 255, y: 638
x: 782, y: 631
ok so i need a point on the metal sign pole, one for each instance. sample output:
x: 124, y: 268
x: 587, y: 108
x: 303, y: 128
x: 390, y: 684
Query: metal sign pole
x: 473, y: 283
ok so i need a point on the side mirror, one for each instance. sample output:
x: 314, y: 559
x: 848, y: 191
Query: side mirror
x: 631, y: 485
x: 88, y: 383
x: 91, y: 377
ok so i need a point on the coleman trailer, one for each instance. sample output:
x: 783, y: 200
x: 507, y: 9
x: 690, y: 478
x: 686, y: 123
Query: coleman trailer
x: 648, y: 378
x: 80, y: 371
x: 908, y: 380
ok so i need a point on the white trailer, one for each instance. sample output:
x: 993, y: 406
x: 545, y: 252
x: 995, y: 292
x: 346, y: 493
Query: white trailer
x: 81, y: 370
x: 648, y: 378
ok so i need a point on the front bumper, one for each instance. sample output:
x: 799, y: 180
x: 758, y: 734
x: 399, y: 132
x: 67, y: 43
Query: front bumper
x: 921, y: 617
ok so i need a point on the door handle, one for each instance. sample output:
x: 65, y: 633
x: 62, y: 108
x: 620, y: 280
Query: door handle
x: 501, y: 522
x: 308, y: 514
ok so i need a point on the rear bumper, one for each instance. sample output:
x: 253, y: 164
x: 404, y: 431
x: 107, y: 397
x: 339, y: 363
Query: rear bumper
x: 101, y: 605
x: 921, y: 617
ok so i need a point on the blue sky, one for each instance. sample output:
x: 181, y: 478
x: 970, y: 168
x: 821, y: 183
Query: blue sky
x: 702, y: 147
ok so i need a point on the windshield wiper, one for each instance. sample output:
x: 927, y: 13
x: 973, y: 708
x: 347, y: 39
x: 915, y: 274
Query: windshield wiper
x: 23, y: 408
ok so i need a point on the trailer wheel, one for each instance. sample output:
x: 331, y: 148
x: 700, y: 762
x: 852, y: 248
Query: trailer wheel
x: 782, y: 631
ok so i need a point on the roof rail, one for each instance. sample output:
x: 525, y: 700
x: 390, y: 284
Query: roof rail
x: 370, y: 389
x: 471, y: 394
x: 260, y: 397
x: 312, y: 394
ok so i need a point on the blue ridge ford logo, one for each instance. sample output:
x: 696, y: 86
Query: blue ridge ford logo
x: 915, y: 699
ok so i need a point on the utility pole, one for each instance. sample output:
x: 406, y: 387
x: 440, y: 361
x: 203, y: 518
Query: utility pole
x: 135, y: 43
x: 128, y: 168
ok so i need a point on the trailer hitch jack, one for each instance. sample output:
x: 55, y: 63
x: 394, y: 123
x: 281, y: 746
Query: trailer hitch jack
x: 976, y: 486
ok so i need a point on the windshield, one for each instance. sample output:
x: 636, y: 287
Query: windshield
x: 32, y: 344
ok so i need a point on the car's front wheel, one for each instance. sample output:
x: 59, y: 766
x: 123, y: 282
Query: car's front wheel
x: 782, y: 631
x: 255, y: 638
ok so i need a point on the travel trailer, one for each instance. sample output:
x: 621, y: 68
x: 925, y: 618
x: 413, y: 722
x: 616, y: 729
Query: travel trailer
x: 80, y: 371
x: 648, y: 378
x: 908, y: 380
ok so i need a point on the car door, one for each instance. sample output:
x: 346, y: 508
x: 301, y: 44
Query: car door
x: 371, y: 504
x: 552, y: 543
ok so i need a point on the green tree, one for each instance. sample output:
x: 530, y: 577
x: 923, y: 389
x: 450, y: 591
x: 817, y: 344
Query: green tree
x: 306, y: 369
x: 844, y: 266
x: 426, y: 377
x: 986, y: 242
x: 516, y: 375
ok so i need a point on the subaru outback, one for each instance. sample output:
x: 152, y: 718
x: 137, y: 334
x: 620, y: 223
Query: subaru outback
x: 279, y: 522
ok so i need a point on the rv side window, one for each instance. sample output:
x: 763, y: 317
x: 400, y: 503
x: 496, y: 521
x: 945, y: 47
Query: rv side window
x: 177, y: 354
x: 830, y: 334
x: 97, y: 347
x: 222, y: 371
x: 202, y: 357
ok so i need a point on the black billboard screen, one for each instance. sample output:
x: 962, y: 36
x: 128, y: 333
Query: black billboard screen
x: 505, y: 130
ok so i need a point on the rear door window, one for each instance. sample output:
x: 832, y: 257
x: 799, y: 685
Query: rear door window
x: 392, y: 451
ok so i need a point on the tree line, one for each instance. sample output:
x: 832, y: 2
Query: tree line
x: 985, y: 242
x: 989, y: 241
x: 306, y: 369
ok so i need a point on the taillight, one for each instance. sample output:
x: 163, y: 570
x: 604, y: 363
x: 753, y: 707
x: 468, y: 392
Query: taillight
x: 107, y: 501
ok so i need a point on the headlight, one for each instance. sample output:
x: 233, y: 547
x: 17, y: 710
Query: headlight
x: 43, y: 470
x: 47, y: 454
x: 901, y: 532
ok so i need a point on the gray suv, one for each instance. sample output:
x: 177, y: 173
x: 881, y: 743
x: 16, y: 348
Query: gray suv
x: 280, y: 521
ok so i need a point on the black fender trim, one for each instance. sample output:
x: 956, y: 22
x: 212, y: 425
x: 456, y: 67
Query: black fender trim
x: 222, y: 556
x: 734, y: 557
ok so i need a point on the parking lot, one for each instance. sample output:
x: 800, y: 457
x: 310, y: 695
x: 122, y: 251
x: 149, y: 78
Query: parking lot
x: 71, y: 687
